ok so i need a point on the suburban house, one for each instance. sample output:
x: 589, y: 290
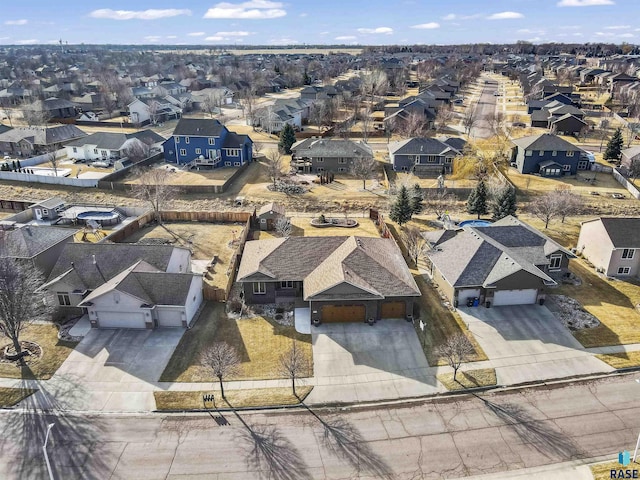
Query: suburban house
x: 563, y: 119
x: 315, y: 155
x: 58, y: 107
x: 548, y: 155
x: 127, y: 285
x: 269, y: 215
x: 28, y: 141
x: 628, y: 156
x: 207, y: 143
x: 39, y: 244
x: 424, y: 156
x: 612, y: 245
x: 152, y: 110
x: 48, y: 209
x: 106, y: 146
x: 506, y: 263
x: 341, y: 279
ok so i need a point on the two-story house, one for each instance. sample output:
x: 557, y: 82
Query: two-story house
x: 207, y: 143
x: 548, y: 155
x: 315, y: 155
x: 612, y: 245
x: 424, y: 156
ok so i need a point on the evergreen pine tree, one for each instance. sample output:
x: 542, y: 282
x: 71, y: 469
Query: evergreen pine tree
x: 614, y: 147
x: 505, y: 203
x: 287, y: 138
x: 416, y: 200
x: 477, y: 201
x: 401, y: 209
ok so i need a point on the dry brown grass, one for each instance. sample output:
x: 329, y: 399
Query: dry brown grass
x: 12, y: 396
x: 178, y: 176
x: 55, y: 352
x: 258, y: 397
x: 302, y: 228
x: 604, y: 184
x: 482, y: 377
x: 621, y: 360
x: 259, y: 342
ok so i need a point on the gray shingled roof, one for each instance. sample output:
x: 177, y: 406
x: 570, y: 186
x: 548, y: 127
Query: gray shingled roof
x: 103, y: 140
x: 546, y: 141
x: 324, y: 147
x: 420, y: 146
x: 198, y: 127
x: 30, y: 240
x: 624, y: 232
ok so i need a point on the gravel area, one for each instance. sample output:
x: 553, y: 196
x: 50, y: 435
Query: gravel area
x: 571, y: 313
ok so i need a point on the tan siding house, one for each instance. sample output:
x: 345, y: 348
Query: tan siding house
x: 612, y: 245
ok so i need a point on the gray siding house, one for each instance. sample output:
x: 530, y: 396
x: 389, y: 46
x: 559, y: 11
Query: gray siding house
x: 612, y: 245
x: 316, y: 155
x: 425, y: 156
x: 340, y: 279
x: 269, y: 215
x: 548, y: 155
x: 507, y: 263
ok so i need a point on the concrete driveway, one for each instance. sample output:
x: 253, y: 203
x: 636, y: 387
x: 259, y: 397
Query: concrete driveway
x: 355, y: 362
x: 526, y: 343
x: 111, y: 370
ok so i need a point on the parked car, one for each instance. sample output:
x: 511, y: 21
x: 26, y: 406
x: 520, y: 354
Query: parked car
x: 101, y: 164
x: 617, y: 195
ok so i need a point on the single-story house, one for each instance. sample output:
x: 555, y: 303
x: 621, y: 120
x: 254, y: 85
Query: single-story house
x: 424, y: 156
x: 342, y: 279
x: 612, y: 245
x: 315, y: 155
x: 27, y: 141
x: 548, y: 155
x: 48, y: 209
x: 127, y: 285
x: 506, y: 263
x: 107, y: 146
x: 269, y: 215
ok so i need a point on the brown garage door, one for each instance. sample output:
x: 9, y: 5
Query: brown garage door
x: 393, y: 310
x: 343, y: 313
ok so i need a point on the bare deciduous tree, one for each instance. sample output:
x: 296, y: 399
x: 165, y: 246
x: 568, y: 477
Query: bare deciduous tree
x: 136, y: 151
x: 34, y: 113
x: 634, y: 169
x: 284, y: 227
x: 154, y: 188
x: 469, y: 120
x: 222, y: 360
x: 293, y: 365
x: 439, y: 201
x: 274, y: 165
x: 54, y: 159
x: 8, y: 113
x: 249, y: 104
x: 568, y: 202
x: 443, y: 118
x: 415, y: 243
x: 414, y: 125
x: 547, y: 208
x: 21, y: 302
x: 363, y: 168
x: 456, y: 350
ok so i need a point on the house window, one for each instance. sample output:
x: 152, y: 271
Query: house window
x: 624, y: 271
x: 236, y: 164
x: 628, y: 253
x: 342, y: 169
x: 233, y: 152
x: 45, y: 211
x: 75, y: 150
x: 63, y: 299
x: 431, y: 159
x: 404, y: 169
x: 320, y: 169
x: 541, y: 153
x: 342, y: 160
x: 554, y: 153
x: 566, y: 168
x: 227, y: 164
x: 417, y: 157
x: 570, y: 153
x: 287, y: 284
x: 177, y: 139
x: 448, y: 160
x: 212, y: 141
x: 528, y: 153
x: 183, y: 152
x: 186, y: 140
x: 319, y: 159
x: 554, y: 262
x: 95, y: 150
x: 198, y: 151
x: 259, y: 288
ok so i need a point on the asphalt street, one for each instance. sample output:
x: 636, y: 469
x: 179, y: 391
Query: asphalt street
x: 445, y: 438
x: 485, y: 109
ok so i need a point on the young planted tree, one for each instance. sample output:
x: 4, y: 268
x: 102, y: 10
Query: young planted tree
x: 504, y: 203
x: 443, y: 118
x: 274, y: 165
x: 478, y: 200
x: 20, y: 301
x: 154, y: 188
x: 53, y: 159
x: 401, y: 210
x: 439, y: 202
x: 416, y: 200
x: 614, y: 147
x: 469, y: 120
x: 547, y: 208
x: 415, y: 243
x: 294, y: 364
x: 287, y: 139
x: 363, y: 168
x: 456, y: 350
x: 568, y: 202
x: 222, y: 360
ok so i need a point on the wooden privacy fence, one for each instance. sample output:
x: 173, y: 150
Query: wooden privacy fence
x: 378, y: 220
x: 14, y: 205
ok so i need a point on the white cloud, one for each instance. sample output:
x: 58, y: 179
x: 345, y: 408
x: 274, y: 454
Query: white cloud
x: 346, y: 37
x: 16, y: 22
x: 151, y: 14
x: 626, y: 35
x: 450, y: 16
x: 152, y: 38
x: 379, y: 30
x: 283, y: 41
x: 251, y: 10
x: 172, y: 36
x: 214, y: 39
x: 304, y: 15
x: 196, y: 34
x: 618, y: 27
x: 534, y: 31
x: 232, y: 34
x: 31, y: 41
x: 427, y: 26
x: 584, y: 3
x: 505, y: 16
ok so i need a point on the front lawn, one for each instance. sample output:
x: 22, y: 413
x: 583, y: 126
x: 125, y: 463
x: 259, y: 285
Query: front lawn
x: 259, y: 342
x: 54, y: 353
x: 257, y: 397
x: 12, y: 396
x: 482, y: 377
x: 621, y: 360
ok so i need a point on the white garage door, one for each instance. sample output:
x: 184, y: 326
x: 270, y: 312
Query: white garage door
x: 465, y: 294
x: 169, y: 318
x: 121, y: 320
x: 515, y: 297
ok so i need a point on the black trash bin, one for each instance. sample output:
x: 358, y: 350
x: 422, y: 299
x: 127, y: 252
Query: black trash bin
x: 541, y: 301
x: 487, y: 304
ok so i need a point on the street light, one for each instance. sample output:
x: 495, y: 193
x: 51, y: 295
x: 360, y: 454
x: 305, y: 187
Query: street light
x: 44, y: 450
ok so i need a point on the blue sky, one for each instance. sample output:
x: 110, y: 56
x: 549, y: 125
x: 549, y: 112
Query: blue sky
x: 370, y: 22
